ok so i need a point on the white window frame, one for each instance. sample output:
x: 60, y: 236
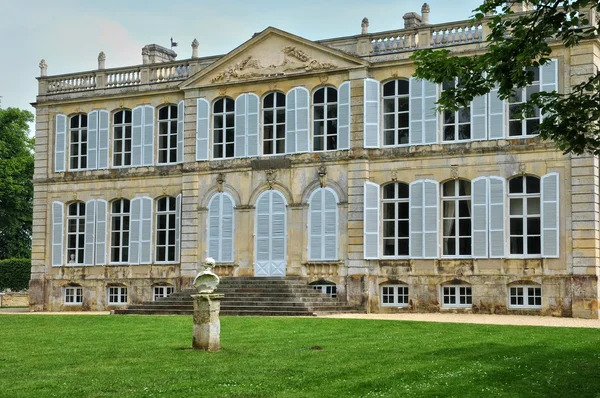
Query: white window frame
x: 326, y: 104
x: 124, y: 219
x: 396, y: 202
x: 456, y: 294
x: 170, y: 121
x: 162, y: 291
x: 118, y: 292
x: 396, y: 97
x: 79, y: 130
x: 327, y: 289
x: 396, y: 292
x: 276, y: 122
x: 123, y: 126
x: 524, y: 97
x: 78, y: 233
x: 526, y: 295
x: 224, y: 114
x: 524, y: 216
x: 456, y: 123
x: 74, y: 292
x: 169, y: 226
x: 456, y: 199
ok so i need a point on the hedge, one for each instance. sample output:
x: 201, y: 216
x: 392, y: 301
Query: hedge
x: 15, y: 273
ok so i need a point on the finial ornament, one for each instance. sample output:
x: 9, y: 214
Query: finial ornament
x: 101, y: 60
x: 195, y: 45
x: 43, y: 68
x: 365, y: 26
x: 425, y: 10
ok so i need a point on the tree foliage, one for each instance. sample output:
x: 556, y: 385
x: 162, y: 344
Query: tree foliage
x: 16, y: 188
x: 15, y: 274
x: 517, y: 42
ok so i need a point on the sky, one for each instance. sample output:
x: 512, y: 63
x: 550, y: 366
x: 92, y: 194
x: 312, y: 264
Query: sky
x: 69, y: 34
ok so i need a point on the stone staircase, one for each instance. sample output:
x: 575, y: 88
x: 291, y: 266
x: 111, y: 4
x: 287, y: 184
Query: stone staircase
x: 271, y: 296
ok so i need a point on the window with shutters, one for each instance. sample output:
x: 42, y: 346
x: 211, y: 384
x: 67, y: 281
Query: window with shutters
x: 524, y: 215
x: 78, y: 140
x: 325, y: 119
x: 162, y: 291
x: 456, y: 124
x: 395, y: 204
x: 117, y: 295
x: 165, y: 229
x: 73, y: 295
x: 220, y: 228
x: 530, y: 123
x: 119, y: 231
x: 395, y: 112
x: 75, y: 233
x: 394, y: 295
x: 167, y: 134
x: 323, y: 225
x: 525, y: 296
x: 274, y: 124
x: 454, y: 296
x: 122, y: 138
x: 224, y: 128
x: 456, y: 218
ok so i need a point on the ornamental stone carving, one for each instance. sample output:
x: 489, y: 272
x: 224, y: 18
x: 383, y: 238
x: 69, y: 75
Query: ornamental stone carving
x: 365, y: 26
x: 195, y: 45
x: 101, y: 60
x: 43, y: 68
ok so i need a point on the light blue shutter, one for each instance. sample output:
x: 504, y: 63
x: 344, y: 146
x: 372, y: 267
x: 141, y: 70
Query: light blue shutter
x: 479, y: 213
x: 330, y: 225
x: 180, y: 130
x: 252, y: 126
x: 148, y: 137
x: 101, y: 223
x: 202, y: 128
x: 92, y: 141
x: 134, y: 230
x: 290, y: 121
x: 263, y: 235
x: 315, y: 228
x: 60, y: 144
x: 278, y: 234
x: 214, y: 227
x: 371, y: 113
x: 227, y: 228
x: 344, y: 116
x: 240, y: 126
x: 479, y: 118
x: 90, y: 229
x: 371, y: 220
x: 497, y: 217
x: 58, y: 230
x: 136, y: 136
x: 302, y: 120
x: 550, y: 215
x: 416, y: 219
x: 103, y: 139
x: 549, y: 77
x: 415, y: 114
x: 423, y: 116
x: 146, y: 232
x: 430, y: 113
x: 430, y: 219
x: 496, y: 116
x: 178, y: 228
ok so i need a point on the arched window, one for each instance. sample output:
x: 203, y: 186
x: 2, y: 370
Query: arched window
x: 223, y: 128
x: 167, y: 134
x: 122, y: 138
x: 166, y: 229
x: 456, y: 124
x: 323, y: 225
x: 76, y: 233
x: 456, y: 218
x: 524, y: 215
x: 325, y: 119
x: 78, y: 141
x: 119, y: 231
x: 274, y: 124
x: 395, y: 112
x: 395, y: 219
x: 220, y: 228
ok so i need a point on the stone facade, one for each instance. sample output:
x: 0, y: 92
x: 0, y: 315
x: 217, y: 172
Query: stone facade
x: 276, y: 61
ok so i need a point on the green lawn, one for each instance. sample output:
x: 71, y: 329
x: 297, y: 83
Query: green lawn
x: 97, y: 356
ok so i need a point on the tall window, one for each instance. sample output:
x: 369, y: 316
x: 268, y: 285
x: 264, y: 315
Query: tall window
x: 75, y: 233
x: 524, y: 215
x: 119, y: 231
x: 122, y: 138
x: 167, y: 134
x: 394, y: 295
x: 395, y: 113
x: 325, y: 119
x: 395, y: 219
x: 525, y: 297
x: 457, y: 124
x: 529, y: 125
x: 456, y: 218
x: 223, y: 128
x: 165, y: 229
x: 457, y: 296
x: 117, y: 295
x: 78, y: 142
x: 73, y: 295
x: 274, y: 124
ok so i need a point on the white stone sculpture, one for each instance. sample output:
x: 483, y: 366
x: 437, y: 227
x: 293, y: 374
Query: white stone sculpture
x: 206, y: 281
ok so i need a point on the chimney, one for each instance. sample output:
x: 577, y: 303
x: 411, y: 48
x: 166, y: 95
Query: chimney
x: 155, y: 54
x: 411, y: 20
x: 425, y: 10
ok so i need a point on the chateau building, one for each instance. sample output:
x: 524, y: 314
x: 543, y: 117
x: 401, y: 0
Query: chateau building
x: 324, y: 159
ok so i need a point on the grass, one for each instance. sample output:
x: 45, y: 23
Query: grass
x: 99, y: 356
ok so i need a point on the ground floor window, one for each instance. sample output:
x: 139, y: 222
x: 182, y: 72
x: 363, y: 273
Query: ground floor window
x: 525, y: 297
x: 394, y: 295
x: 73, y: 295
x: 117, y: 295
x: 161, y: 291
x: 457, y: 296
x: 330, y: 290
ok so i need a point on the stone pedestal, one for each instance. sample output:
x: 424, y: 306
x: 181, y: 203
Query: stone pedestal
x: 207, y: 326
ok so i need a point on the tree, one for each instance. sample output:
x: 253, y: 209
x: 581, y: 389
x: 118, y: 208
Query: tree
x: 516, y: 43
x: 16, y: 187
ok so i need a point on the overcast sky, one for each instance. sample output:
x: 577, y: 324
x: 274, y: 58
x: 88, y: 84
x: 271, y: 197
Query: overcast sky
x: 69, y: 34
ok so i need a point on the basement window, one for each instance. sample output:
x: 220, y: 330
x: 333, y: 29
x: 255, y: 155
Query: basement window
x: 525, y: 297
x: 117, y: 295
x: 457, y: 296
x: 329, y: 290
x: 394, y: 295
x: 73, y: 295
x: 161, y: 291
